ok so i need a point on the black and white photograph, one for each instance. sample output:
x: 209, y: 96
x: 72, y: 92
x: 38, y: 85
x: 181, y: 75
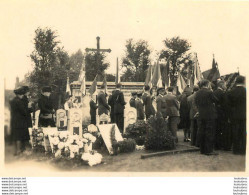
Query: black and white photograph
x: 124, y: 87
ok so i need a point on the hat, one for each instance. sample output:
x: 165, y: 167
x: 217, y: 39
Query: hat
x: 25, y: 88
x: 139, y: 93
x: 160, y: 89
x: 133, y: 93
x: 146, y: 88
x: 19, y: 91
x: 46, y: 89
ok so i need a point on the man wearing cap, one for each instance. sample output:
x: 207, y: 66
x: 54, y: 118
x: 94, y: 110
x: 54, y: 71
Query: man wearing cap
x: 133, y: 99
x: 147, y: 102
x: 45, y: 104
x: 139, y: 107
x: 119, y: 106
x: 160, y: 102
x: 172, y: 111
x: 19, y: 123
x: 237, y: 115
x: 102, y: 102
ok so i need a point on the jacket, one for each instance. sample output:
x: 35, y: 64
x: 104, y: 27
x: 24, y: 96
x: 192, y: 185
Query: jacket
x: 147, y: 102
x: 119, y: 103
x: 172, y: 105
x: 140, y: 109
x: 192, y: 106
x: 161, y: 105
x: 103, y: 106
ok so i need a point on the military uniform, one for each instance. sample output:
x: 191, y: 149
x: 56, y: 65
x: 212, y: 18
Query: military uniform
x: 147, y: 102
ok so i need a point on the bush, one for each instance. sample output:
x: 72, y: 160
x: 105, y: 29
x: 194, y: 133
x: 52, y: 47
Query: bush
x: 158, y: 136
x: 137, y: 131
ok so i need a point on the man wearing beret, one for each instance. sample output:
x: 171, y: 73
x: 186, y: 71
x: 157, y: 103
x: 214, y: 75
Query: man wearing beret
x: 133, y: 99
x: 19, y: 123
x: 147, y: 102
x: 45, y: 104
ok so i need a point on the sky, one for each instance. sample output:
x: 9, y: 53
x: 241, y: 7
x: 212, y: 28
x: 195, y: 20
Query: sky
x: 219, y: 28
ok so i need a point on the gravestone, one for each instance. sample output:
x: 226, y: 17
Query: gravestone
x: 61, y: 119
x: 130, y: 116
x: 75, y: 121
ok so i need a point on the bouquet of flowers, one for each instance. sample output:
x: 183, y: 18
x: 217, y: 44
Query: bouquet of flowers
x: 92, y: 158
x: 36, y: 138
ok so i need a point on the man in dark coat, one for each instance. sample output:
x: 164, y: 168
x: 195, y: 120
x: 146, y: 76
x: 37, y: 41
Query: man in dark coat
x: 119, y: 106
x: 184, y: 114
x: 102, y: 102
x: 27, y: 105
x: 147, y: 102
x: 237, y: 115
x: 111, y: 104
x: 193, y: 118
x: 223, y: 134
x: 93, y: 108
x: 45, y: 103
x: 133, y: 99
x: 172, y: 111
x: 139, y: 107
x: 205, y: 102
x: 161, y: 103
x: 19, y: 123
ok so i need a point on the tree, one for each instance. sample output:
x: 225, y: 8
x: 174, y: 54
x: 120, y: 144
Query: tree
x: 176, y: 53
x: 95, y: 64
x: 75, y: 61
x: 51, y: 63
x: 110, y: 77
x: 136, y: 60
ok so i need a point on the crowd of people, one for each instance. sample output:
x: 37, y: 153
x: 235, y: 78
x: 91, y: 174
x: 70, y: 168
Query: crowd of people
x: 212, y: 117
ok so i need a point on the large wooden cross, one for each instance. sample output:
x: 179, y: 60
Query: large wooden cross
x: 98, y: 50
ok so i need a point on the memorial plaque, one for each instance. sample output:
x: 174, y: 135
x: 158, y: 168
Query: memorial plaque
x: 61, y: 119
x: 75, y: 121
x: 130, y: 116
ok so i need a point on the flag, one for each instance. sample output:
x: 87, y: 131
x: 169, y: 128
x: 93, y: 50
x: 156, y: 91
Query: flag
x: 82, y: 78
x: 167, y: 75
x: 157, y: 77
x: 117, y: 79
x: 197, y: 71
x: 68, y: 90
x: 148, y: 76
x: 93, y: 87
x: 181, y: 83
x: 105, y: 84
x: 214, y: 72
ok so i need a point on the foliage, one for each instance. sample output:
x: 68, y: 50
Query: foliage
x: 95, y: 64
x: 158, y: 136
x: 75, y: 61
x: 136, y: 60
x: 51, y: 63
x: 110, y: 77
x: 176, y: 52
x: 137, y: 131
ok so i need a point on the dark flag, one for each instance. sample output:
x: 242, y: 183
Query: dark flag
x: 93, y: 87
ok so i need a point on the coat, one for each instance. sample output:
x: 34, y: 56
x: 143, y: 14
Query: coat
x: 192, y: 106
x: 147, y: 102
x: 46, y: 105
x: 221, y: 103
x: 26, y: 102
x: 161, y: 105
x: 19, y: 122
x: 133, y: 102
x: 103, y: 106
x: 184, y: 112
x: 172, y: 105
x: 93, y: 108
x: 140, y: 109
x: 119, y: 103
x: 237, y: 103
x: 205, y: 102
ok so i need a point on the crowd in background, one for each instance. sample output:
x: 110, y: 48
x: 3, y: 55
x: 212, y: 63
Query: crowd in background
x: 211, y: 117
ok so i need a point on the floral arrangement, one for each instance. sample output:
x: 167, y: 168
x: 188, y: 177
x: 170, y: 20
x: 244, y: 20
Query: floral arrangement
x: 127, y: 145
x: 65, y: 145
x: 137, y: 131
x: 36, y: 138
x: 158, y: 136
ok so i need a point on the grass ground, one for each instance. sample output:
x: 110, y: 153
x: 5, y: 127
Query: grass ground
x: 132, y: 162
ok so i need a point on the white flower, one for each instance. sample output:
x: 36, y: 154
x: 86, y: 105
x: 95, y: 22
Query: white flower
x: 80, y: 144
x: 63, y: 134
x: 93, y: 139
x: 84, y: 140
x: 56, y: 141
x: 70, y: 140
x: 71, y: 155
x: 57, y: 154
x: 74, y: 148
x: 92, y: 128
x: 86, y: 156
x: 61, y: 145
x: 56, y: 134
